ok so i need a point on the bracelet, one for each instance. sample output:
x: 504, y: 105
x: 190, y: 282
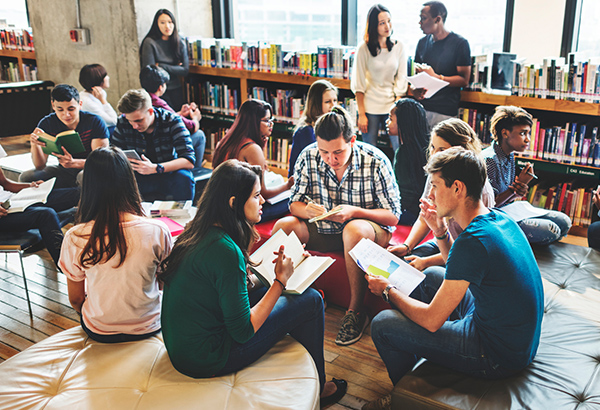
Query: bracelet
x: 444, y: 236
x: 280, y: 282
x: 407, y: 248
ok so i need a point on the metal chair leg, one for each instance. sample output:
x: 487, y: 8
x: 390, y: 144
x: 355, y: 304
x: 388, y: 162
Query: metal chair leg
x: 25, y: 282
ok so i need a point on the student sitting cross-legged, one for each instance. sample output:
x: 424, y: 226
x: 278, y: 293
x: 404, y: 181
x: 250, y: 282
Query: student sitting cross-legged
x: 67, y: 116
x: 111, y: 256
x: 215, y: 322
x: 356, y: 178
x: 481, y: 315
x: 163, y: 144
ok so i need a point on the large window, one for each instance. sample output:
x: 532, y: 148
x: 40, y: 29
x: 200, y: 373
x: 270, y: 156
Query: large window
x: 481, y: 22
x: 587, y: 43
x: 14, y: 12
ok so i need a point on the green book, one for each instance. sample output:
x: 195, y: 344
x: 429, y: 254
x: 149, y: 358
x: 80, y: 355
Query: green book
x: 68, y: 139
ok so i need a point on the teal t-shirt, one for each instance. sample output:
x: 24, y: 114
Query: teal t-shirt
x: 205, y: 306
x: 494, y: 256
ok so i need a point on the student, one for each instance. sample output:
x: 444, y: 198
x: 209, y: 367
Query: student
x: 481, y: 315
x: 95, y: 81
x: 156, y: 134
x: 66, y: 116
x: 446, y: 56
x: 446, y: 134
x: 110, y: 257
x: 154, y: 80
x: 379, y: 76
x: 511, y: 128
x: 245, y: 140
x: 407, y: 121
x: 212, y: 325
x: 164, y: 47
x: 339, y: 172
x: 321, y: 98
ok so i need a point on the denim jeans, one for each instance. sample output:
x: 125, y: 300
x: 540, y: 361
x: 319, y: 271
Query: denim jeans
x: 593, y: 234
x: 456, y: 345
x: 173, y: 186
x: 299, y: 315
x: 65, y: 177
x: 426, y: 249
x: 199, y: 143
x: 274, y: 211
x: 376, y: 122
x: 546, y: 229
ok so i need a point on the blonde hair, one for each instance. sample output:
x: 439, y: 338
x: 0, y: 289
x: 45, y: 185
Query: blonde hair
x: 134, y: 100
x: 457, y: 133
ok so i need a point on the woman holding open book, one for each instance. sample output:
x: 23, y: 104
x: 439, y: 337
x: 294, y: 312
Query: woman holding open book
x: 245, y: 141
x: 113, y: 252
x: 215, y: 321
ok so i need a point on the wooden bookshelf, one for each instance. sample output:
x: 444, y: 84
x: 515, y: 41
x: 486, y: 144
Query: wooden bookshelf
x: 20, y: 56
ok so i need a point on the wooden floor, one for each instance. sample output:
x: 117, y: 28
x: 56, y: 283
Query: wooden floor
x: 359, y: 364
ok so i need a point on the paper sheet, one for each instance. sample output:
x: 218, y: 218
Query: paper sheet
x: 431, y: 84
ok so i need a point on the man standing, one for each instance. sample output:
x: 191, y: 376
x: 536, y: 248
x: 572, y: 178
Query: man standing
x: 337, y: 172
x: 445, y: 55
x: 163, y: 144
x: 483, y: 317
x: 67, y: 115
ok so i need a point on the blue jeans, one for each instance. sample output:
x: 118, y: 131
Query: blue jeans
x: 199, y: 143
x: 299, y: 315
x: 593, y: 234
x: 376, y: 122
x: 65, y: 177
x: 274, y: 211
x: 426, y: 249
x: 456, y: 345
x: 173, y: 186
x: 546, y: 229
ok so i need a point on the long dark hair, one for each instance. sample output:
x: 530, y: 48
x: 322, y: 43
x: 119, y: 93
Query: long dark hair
x: 412, y: 126
x: 232, y: 178
x: 155, y: 34
x: 108, y: 191
x: 371, y: 34
x: 313, y: 108
x: 246, y: 125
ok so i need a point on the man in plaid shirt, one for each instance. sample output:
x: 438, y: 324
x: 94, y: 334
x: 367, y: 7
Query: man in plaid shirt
x: 163, y: 144
x: 339, y: 172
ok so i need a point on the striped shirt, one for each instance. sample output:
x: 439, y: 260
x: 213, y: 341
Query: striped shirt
x: 169, y: 139
x: 500, y: 167
x: 368, y: 183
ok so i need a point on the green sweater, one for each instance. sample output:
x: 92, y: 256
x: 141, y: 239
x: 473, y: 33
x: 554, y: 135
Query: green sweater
x: 205, y: 306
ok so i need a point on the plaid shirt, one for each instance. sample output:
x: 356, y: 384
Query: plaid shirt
x: 368, y: 183
x: 170, y: 138
x: 500, y: 167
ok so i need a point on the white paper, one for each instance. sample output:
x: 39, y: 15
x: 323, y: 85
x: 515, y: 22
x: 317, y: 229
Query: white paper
x: 520, y: 210
x: 431, y: 84
x: 402, y: 275
x: 280, y: 197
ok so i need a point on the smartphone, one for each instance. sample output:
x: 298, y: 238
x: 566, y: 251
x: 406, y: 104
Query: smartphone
x: 132, y: 154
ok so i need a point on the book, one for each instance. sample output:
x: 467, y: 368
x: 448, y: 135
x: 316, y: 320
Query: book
x: 19, y: 201
x: 306, y: 269
x: 375, y: 260
x: 178, y: 209
x: 70, y: 140
x: 280, y: 197
x: 174, y: 227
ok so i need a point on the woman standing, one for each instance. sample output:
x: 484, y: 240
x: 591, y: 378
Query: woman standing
x: 379, y: 76
x: 212, y: 325
x: 95, y: 81
x: 162, y: 46
x: 111, y: 256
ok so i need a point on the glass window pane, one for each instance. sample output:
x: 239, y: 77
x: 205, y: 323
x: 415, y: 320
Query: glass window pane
x: 588, y: 43
x: 300, y: 25
x: 15, y: 13
x: 481, y: 22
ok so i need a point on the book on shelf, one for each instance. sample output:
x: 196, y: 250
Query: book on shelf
x: 16, y: 39
x: 20, y: 201
x: 306, y: 268
x: 68, y: 140
x: 575, y: 202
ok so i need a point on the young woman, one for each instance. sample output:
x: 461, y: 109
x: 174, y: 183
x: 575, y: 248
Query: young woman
x: 407, y: 120
x: 163, y: 46
x: 245, y: 141
x: 212, y: 325
x: 95, y: 81
x: 449, y: 133
x: 379, y: 76
x: 321, y: 98
x: 110, y: 257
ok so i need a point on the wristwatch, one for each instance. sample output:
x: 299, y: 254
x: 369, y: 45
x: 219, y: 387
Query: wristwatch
x: 159, y: 169
x: 386, y: 293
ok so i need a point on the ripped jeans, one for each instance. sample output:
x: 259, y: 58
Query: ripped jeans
x: 546, y: 229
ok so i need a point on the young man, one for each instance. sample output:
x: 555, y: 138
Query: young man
x: 444, y: 55
x: 511, y: 128
x: 481, y: 315
x: 154, y: 80
x: 67, y: 116
x: 156, y: 134
x: 338, y: 172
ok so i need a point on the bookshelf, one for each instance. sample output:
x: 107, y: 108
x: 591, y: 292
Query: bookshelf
x: 19, y: 58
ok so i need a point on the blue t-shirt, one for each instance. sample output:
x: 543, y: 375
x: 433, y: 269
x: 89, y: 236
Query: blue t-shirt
x: 301, y: 139
x: 494, y: 256
x: 90, y: 127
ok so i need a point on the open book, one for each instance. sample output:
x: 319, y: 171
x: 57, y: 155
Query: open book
x: 18, y: 202
x: 375, y: 260
x: 306, y: 269
x: 69, y: 139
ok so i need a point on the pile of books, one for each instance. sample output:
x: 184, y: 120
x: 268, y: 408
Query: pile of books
x: 172, y: 209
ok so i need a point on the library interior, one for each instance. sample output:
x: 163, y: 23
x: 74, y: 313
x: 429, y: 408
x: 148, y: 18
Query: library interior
x: 448, y: 151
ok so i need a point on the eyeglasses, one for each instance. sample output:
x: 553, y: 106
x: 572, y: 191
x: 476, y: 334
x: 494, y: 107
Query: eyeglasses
x: 269, y: 121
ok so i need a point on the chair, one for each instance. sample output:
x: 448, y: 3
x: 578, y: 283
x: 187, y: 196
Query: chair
x: 19, y: 242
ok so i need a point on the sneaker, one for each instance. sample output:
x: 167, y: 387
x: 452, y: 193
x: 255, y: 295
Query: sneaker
x: 382, y: 403
x: 353, y: 325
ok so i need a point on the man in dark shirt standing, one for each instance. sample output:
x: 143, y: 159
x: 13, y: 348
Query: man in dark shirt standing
x: 445, y: 55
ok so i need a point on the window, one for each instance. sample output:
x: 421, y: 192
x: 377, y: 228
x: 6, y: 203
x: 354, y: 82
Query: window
x: 15, y: 14
x: 481, y: 22
x: 587, y: 43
